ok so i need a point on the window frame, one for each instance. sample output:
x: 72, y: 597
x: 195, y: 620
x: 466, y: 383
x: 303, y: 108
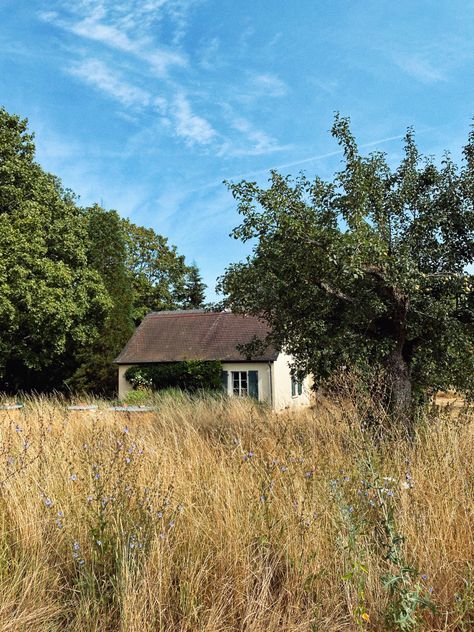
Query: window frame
x: 238, y: 392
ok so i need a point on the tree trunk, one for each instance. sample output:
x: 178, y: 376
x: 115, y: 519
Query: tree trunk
x: 399, y: 390
x: 397, y: 370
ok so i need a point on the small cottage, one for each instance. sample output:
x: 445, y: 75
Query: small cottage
x: 198, y: 335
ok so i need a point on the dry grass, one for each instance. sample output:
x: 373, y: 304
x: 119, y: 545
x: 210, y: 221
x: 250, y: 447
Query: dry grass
x: 216, y: 516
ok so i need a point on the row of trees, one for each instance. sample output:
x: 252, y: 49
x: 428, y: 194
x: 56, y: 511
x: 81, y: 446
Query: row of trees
x: 74, y: 281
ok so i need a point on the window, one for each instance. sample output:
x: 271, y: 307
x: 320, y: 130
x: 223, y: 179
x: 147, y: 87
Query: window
x: 296, y: 387
x: 245, y: 383
x: 239, y: 383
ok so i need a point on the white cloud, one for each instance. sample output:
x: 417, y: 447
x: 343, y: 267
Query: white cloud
x: 193, y: 128
x: 114, y: 34
x: 420, y: 69
x: 270, y: 85
x: 255, y: 141
x: 96, y: 73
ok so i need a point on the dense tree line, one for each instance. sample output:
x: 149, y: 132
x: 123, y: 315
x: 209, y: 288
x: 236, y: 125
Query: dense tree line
x: 74, y: 281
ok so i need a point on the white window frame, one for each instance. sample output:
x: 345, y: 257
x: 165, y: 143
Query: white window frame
x: 241, y: 390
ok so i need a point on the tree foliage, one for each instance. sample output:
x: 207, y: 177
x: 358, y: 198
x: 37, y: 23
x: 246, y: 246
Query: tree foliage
x: 72, y: 281
x: 195, y: 289
x: 367, y: 271
x: 106, y: 254
x: 51, y: 301
x: 158, y: 272
x: 190, y: 375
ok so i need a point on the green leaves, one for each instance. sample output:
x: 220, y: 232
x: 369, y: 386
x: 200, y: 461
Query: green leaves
x: 366, y: 267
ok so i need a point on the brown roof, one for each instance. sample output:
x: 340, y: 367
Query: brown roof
x: 194, y: 335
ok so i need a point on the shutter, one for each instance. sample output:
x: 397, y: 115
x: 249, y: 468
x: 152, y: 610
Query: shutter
x: 293, y: 387
x: 300, y: 388
x: 225, y: 381
x: 253, y: 384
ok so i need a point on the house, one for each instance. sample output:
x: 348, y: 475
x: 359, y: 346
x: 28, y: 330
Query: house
x: 198, y: 335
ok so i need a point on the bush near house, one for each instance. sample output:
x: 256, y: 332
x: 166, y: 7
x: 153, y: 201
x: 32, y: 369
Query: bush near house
x: 190, y: 375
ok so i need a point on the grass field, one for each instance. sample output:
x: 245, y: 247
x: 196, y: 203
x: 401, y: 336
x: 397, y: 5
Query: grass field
x: 210, y: 515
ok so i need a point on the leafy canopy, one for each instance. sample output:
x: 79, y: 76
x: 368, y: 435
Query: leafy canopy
x: 369, y: 270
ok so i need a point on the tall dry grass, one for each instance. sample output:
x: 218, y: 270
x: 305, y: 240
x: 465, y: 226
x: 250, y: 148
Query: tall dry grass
x: 215, y: 515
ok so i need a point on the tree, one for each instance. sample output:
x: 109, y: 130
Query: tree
x: 158, y: 272
x: 195, y: 289
x: 366, y: 271
x: 106, y: 254
x: 51, y: 302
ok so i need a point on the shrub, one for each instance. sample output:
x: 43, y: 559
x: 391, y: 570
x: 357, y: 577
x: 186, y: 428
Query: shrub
x: 190, y: 375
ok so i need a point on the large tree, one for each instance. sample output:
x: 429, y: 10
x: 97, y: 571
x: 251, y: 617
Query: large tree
x: 51, y: 301
x: 194, y: 290
x: 107, y: 255
x: 369, y: 270
x: 158, y: 272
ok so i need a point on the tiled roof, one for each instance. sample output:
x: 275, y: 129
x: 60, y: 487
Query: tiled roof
x: 194, y: 335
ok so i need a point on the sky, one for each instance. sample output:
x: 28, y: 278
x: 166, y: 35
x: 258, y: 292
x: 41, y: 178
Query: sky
x: 146, y: 106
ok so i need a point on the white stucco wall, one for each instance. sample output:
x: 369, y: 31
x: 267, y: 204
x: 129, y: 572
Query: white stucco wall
x: 264, y: 378
x: 124, y: 385
x: 274, y: 382
x: 282, y: 396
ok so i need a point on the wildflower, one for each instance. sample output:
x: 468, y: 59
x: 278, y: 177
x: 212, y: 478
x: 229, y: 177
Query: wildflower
x: 18, y: 428
x: 127, y: 459
x: 97, y: 476
x: 59, y: 523
x: 309, y: 474
x: 389, y: 479
x: 171, y: 524
x: 90, y: 499
x: 11, y: 460
x: 60, y: 514
x: 424, y: 577
x: 159, y: 514
x: 283, y: 468
x: 48, y: 502
x: 73, y: 477
x: 126, y: 430
x: 98, y: 542
x: 26, y: 445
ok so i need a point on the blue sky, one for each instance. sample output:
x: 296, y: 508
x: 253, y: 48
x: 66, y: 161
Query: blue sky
x: 146, y: 106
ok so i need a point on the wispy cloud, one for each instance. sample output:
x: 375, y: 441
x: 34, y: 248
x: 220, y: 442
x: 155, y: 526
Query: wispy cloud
x: 420, y: 69
x: 115, y: 34
x: 97, y: 74
x: 269, y: 85
x: 193, y: 128
x: 145, y: 73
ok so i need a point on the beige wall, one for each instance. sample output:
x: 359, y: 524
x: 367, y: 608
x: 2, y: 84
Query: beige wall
x: 274, y: 382
x: 282, y: 397
x: 264, y: 378
x: 124, y: 385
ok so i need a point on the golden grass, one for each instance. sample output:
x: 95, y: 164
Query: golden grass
x: 215, y: 516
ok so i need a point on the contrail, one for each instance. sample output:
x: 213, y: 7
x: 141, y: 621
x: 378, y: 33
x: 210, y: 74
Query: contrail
x: 303, y: 161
